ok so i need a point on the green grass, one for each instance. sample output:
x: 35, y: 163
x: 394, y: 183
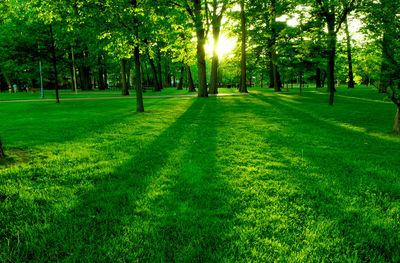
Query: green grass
x: 257, y: 178
x: 50, y: 94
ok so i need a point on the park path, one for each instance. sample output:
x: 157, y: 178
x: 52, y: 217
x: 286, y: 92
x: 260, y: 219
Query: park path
x: 126, y: 97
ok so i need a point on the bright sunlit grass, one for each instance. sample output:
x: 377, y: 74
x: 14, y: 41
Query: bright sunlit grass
x: 257, y: 178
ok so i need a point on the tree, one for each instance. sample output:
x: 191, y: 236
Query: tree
x: 2, y: 153
x: 335, y: 13
x: 349, y: 55
x: 243, y: 85
x: 218, y: 9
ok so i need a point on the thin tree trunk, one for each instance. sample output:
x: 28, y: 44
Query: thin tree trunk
x: 318, y: 78
x: 180, y: 84
x: 125, y: 90
x: 71, y: 68
x: 287, y: 80
x: 147, y: 73
x: 331, y: 61
x: 160, y: 82
x: 349, y: 58
x: 190, y: 79
x: 2, y: 153
x: 396, y: 128
x: 167, y: 75
x: 53, y: 51
x: 275, y: 73
x: 243, y: 86
x: 138, y: 73
x: 157, y: 85
x: 101, y: 74
x: 105, y: 78
x: 301, y: 82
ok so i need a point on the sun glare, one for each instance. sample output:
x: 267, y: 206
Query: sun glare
x: 225, y: 46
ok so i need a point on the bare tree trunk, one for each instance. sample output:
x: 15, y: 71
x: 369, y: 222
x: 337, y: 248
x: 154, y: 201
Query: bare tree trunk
x: 318, y: 78
x: 351, y: 75
x: 180, y: 85
x: 331, y: 62
x: 215, y: 59
x: 157, y: 85
x: 160, y: 82
x: 190, y: 79
x: 167, y: 75
x: 138, y: 73
x: 201, y: 53
x: 243, y: 87
x: 53, y: 51
x: 2, y: 153
x: 125, y: 90
x: 396, y: 128
x: 102, y: 86
x: 105, y: 78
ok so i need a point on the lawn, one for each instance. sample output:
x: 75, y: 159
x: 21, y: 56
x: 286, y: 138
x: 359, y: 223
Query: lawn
x: 65, y: 94
x: 256, y: 178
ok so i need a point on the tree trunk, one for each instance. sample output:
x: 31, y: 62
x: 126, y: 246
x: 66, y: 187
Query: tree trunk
x: 301, y: 82
x: 167, y: 75
x: 190, y: 79
x: 144, y: 67
x: 201, y: 53
x: 180, y: 84
x: 396, y: 128
x: 318, y: 78
x: 351, y: 75
x: 160, y: 82
x: 138, y: 73
x: 157, y: 85
x: 385, y: 80
x: 101, y: 74
x: 138, y: 81
x: 53, y: 51
x: 331, y: 61
x: 277, y: 85
x: 243, y: 86
x: 2, y: 153
x: 125, y: 90
x: 105, y: 78
x: 215, y: 59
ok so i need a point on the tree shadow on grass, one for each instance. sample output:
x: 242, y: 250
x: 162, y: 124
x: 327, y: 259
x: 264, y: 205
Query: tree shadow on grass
x: 166, y: 204
x: 35, y: 124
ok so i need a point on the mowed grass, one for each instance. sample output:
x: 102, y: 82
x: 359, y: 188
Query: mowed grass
x: 257, y: 178
x: 67, y: 94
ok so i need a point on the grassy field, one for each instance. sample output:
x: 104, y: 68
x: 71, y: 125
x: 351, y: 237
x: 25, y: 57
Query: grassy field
x: 256, y: 178
x: 65, y: 94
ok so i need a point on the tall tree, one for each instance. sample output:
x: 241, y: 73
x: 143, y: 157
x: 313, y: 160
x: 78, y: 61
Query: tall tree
x: 349, y: 55
x: 243, y: 80
x: 274, y: 67
x: 334, y: 13
x: 216, y: 19
x: 2, y: 153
